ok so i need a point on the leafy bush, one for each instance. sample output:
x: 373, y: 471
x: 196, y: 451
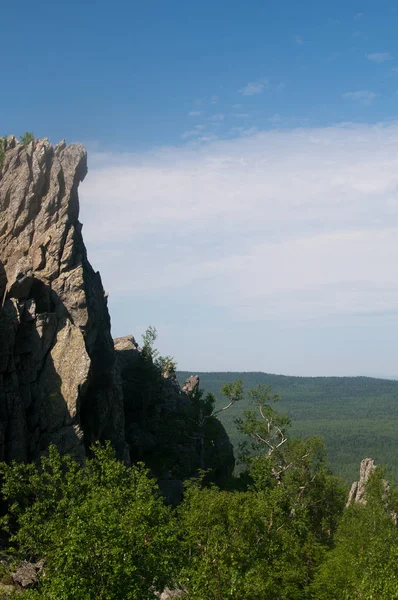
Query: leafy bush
x: 103, y: 530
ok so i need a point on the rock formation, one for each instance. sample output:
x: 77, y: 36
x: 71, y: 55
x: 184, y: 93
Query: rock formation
x: 358, y: 488
x: 357, y: 493
x: 165, y: 425
x: 191, y: 384
x: 58, y: 381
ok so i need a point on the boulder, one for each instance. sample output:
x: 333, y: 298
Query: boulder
x: 27, y: 572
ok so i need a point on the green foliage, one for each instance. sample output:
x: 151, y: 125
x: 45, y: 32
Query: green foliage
x: 264, y: 426
x: 226, y: 544
x: 364, y: 563
x: 233, y: 391
x: 3, y: 147
x: 103, y: 530
x: 105, y: 533
x: 268, y: 541
x: 149, y: 338
x: 26, y: 138
x: 355, y: 416
x: 263, y: 543
x: 162, y: 365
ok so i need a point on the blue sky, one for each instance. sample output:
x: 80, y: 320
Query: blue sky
x: 243, y: 170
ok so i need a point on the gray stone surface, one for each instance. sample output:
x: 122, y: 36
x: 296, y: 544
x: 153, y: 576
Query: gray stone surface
x: 191, y: 384
x: 58, y: 381
x: 358, y: 488
x: 168, y: 594
x: 26, y: 574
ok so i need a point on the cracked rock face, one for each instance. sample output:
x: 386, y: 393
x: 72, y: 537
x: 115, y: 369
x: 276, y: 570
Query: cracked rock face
x: 358, y: 488
x: 58, y: 381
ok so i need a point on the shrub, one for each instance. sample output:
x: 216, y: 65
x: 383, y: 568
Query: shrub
x: 26, y: 138
x: 103, y: 529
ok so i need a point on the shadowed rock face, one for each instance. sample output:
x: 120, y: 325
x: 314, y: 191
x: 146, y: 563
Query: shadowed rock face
x: 164, y: 424
x: 58, y: 381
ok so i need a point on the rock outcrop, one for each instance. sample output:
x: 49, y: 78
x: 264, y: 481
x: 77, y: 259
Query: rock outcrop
x: 58, y: 381
x: 358, y: 488
x: 166, y: 425
x: 191, y: 384
x: 61, y: 380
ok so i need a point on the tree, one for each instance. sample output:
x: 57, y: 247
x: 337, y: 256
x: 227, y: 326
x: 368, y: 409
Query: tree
x: 3, y: 147
x: 265, y: 427
x: 268, y: 541
x: 295, y: 467
x: 103, y: 529
x: 229, y: 551
x: 233, y: 392
x: 26, y: 138
x: 363, y: 565
x: 164, y: 365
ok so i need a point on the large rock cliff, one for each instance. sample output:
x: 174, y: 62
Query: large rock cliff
x: 58, y: 381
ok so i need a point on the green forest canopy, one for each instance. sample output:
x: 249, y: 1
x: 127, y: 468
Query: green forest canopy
x: 356, y: 416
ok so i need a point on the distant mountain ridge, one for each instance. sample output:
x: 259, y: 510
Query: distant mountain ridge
x: 356, y: 416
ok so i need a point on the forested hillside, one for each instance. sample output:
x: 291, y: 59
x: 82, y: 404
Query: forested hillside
x: 356, y: 416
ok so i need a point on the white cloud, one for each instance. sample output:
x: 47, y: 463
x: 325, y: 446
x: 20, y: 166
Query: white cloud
x: 364, y: 96
x: 208, y: 138
x: 254, y: 87
x: 250, y: 131
x: 194, y: 113
x: 281, y: 225
x: 189, y: 133
x: 379, y: 57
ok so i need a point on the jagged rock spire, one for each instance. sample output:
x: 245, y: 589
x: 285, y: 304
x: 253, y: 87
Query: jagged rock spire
x: 57, y: 378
